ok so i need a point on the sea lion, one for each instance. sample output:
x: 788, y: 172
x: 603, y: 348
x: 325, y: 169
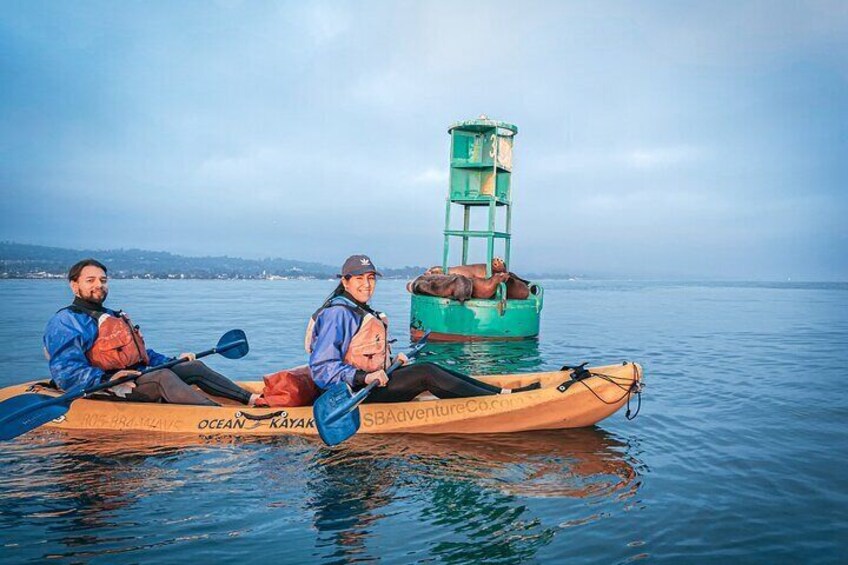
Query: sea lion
x: 517, y: 288
x: 498, y: 265
x: 456, y: 287
x: 485, y: 288
x: 475, y: 270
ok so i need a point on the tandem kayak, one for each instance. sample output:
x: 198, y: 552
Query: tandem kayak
x: 560, y: 402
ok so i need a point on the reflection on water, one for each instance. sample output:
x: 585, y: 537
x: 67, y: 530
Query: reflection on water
x: 475, y: 488
x: 727, y: 426
x: 487, y: 357
x: 90, y: 482
x: 453, y: 490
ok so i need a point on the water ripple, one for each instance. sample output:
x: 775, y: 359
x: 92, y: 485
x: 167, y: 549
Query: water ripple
x: 736, y: 456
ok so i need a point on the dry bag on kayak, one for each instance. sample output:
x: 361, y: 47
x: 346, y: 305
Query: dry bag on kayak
x: 291, y: 387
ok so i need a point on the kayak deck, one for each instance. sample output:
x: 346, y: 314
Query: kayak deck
x: 560, y: 402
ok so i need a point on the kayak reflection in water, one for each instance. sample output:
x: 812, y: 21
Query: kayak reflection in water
x: 87, y: 344
x: 347, y: 341
x: 459, y: 489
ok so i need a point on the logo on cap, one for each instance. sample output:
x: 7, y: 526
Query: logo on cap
x: 365, y: 261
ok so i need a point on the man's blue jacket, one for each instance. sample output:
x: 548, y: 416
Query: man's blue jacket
x: 68, y: 336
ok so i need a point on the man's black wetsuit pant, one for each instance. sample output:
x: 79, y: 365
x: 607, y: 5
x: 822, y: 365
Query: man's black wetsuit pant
x: 174, y: 386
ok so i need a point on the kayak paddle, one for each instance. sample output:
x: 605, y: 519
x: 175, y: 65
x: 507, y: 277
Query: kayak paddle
x: 336, y: 412
x: 26, y: 412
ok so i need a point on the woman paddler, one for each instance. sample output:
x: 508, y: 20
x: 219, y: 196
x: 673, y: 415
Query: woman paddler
x: 347, y: 342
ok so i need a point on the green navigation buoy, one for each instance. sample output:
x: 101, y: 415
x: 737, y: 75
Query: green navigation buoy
x: 480, y: 176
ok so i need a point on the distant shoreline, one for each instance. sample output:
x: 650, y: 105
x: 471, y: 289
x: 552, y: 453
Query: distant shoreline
x: 64, y: 276
x: 19, y: 261
x: 25, y: 261
x: 587, y: 282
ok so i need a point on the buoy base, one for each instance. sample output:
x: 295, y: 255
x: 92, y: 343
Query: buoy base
x: 476, y: 319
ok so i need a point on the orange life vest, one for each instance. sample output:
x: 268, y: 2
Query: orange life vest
x: 119, y: 344
x: 369, y: 349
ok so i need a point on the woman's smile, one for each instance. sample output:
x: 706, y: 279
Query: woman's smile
x: 360, y: 287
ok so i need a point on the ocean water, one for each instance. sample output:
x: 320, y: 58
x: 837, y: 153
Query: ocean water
x: 738, y: 455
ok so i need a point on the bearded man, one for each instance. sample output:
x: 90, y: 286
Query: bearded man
x: 87, y: 344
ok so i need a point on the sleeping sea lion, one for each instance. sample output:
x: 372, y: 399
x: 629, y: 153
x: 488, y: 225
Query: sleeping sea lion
x: 456, y: 287
x: 485, y: 288
x: 475, y: 270
x: 517, y: 288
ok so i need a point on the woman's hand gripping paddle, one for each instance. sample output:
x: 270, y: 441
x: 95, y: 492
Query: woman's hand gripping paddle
x: 336, y: 412
x: 26, y: 412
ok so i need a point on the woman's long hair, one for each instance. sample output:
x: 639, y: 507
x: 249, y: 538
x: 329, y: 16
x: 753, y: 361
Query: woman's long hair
x: 336, y: 292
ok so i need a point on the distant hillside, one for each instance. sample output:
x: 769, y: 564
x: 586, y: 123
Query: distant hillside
x: 19, y: 260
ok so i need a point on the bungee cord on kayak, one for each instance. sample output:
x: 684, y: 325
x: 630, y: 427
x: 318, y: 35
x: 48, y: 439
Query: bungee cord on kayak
x: 633, y: 387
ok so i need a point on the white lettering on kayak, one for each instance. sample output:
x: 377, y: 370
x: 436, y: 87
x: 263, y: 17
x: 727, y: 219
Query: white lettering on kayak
x: 221, y: 424
x: 124, y: 422
x: 433, y: 412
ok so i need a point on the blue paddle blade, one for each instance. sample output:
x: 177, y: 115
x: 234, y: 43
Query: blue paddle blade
x: 340, y: 427
x: 26, y: 412
x: 233, y: 345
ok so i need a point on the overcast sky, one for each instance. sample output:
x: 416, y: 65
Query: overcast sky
x: 667, y: 139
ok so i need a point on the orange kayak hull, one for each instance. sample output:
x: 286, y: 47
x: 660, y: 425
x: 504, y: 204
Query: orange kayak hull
x: 556, y: 405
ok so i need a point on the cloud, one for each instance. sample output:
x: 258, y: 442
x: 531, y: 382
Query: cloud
x: 324, y: 22
x: 641, y: 126
x: 432, y: 176
x: 660, y: 157
x: 639, y: 158
x: 254, y: 164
